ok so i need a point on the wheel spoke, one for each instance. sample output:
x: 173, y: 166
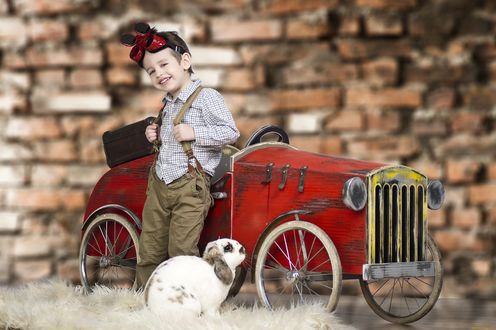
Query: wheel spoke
x: 287, y: 257
x: 278, y: 263
x: 308, y: 261
x: 392, y: 293
x: 96, y: 240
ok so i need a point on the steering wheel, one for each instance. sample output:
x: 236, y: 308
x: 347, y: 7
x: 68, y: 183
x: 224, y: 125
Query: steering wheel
x: 264, y: 131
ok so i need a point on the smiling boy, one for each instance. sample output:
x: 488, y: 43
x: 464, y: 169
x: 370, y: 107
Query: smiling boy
x: 178, y: 194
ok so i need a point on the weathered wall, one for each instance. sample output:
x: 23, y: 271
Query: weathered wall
x: 411, y: 81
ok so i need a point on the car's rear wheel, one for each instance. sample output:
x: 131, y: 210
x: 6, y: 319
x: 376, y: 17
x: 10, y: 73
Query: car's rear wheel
x: 298, y: 263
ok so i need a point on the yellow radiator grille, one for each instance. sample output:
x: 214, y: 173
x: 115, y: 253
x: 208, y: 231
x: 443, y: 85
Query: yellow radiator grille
x: 397, y: 209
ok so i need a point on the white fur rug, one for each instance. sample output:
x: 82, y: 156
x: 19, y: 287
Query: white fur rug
x: 58, y: 305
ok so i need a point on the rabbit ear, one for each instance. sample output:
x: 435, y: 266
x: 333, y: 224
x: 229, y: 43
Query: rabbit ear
x: 212, y: 253
x: 141, y: 28
x: 223, y: 272
x: 128, y: 39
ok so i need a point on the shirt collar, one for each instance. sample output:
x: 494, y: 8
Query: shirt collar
x: 185, y: 93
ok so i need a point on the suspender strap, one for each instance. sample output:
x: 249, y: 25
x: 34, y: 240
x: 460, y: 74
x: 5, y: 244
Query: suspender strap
x: 187, y: 144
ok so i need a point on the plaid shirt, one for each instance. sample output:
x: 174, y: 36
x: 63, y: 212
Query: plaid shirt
x: 213, y: 125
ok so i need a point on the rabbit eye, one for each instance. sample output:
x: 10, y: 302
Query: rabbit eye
x: 228, y: 247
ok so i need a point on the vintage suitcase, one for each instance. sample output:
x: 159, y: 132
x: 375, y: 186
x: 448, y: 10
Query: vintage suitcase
x: 127, y: 143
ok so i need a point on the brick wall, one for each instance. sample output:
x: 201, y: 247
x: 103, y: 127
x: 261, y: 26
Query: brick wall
x: 411, y: 81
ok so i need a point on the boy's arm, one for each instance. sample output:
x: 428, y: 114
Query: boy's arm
x: 219, y: 128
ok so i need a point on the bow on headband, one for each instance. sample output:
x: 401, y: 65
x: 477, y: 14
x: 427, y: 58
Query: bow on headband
x: 146, y: 39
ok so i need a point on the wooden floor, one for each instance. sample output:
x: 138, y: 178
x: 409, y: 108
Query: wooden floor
x: 448, y: 313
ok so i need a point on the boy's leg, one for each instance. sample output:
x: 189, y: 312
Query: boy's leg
x: 154, y: 236
x: 192, y: 202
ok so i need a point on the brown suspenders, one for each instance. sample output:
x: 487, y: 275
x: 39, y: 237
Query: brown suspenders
x: 185, y: 144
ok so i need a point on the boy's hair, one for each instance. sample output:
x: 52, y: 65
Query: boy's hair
x: 173, y: 39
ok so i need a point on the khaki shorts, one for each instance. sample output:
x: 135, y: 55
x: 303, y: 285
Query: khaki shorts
x: 173, y: 217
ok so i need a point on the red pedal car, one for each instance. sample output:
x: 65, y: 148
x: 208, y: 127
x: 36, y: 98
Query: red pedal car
x: 308, y: 221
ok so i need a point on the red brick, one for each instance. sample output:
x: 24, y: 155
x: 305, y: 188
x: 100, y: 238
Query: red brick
x: 86, y: 78
x: 462, y: 171
x: 441, y: 98
x: 235, y: 102
x: 429, y: 126
x: 307, y: 27
x: 492, y: 71
x: 346, y: 120
x: 381, y: 72
x: 384, y: 98
x: 383, y: 25
x: 354, y: 49
x: 297, y: 99
x: 247, y: 126
x: 96, y: 30
x: 14, y: 60
x: 92, y: 151
x: 307, y: 143
x: 436, y: 218
x: 465, y: 144
x: 68, y: 270
x: 466, y: 218
x: 491, y: 215
x: 121, y: 76
x: 482, y: 98
x: 32, y: 128
x: 117, y: 54
x: 283, y: 54
x: 48, y: 7
x: 29, y: 271
x: 430, y: 168
x: 46, y: 199
x: 434, y: 73
x: 482, y: 267
x: 386, y: 4
x: 234, y: 30
x: 295, y: 6
x: 318, y: 70
x: 382, y: 121
x: 48, y: 30
x: 64, y: 57
x: 467, y: 121
x: 482, y: 194
x: 349, y: 25
x: 450, y: 240
x: 332, y: 145
x: 239, y: 80
x: 50, y: 78
x: 384, y: 148
x: 491, y: 172
x: 60, y: 150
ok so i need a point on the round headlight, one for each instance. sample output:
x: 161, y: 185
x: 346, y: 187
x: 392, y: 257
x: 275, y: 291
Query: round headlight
x: 435, y: 194
x: 355, y: 194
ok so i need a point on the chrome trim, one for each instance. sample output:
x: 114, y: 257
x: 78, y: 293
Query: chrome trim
x: 258, y: 146
x: 398, y: 269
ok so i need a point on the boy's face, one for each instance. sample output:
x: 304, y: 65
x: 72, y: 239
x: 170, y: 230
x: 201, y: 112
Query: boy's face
x: 165, y: 72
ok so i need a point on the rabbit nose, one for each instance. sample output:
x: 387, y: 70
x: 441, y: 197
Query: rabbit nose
x: 242, y: 250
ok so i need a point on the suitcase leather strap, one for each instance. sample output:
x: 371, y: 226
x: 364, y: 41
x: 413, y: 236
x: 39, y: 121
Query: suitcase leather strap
x: 188, y: 150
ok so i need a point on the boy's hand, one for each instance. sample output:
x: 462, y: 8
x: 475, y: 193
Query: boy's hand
x: 151, y: 132
x: 183, y: 132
